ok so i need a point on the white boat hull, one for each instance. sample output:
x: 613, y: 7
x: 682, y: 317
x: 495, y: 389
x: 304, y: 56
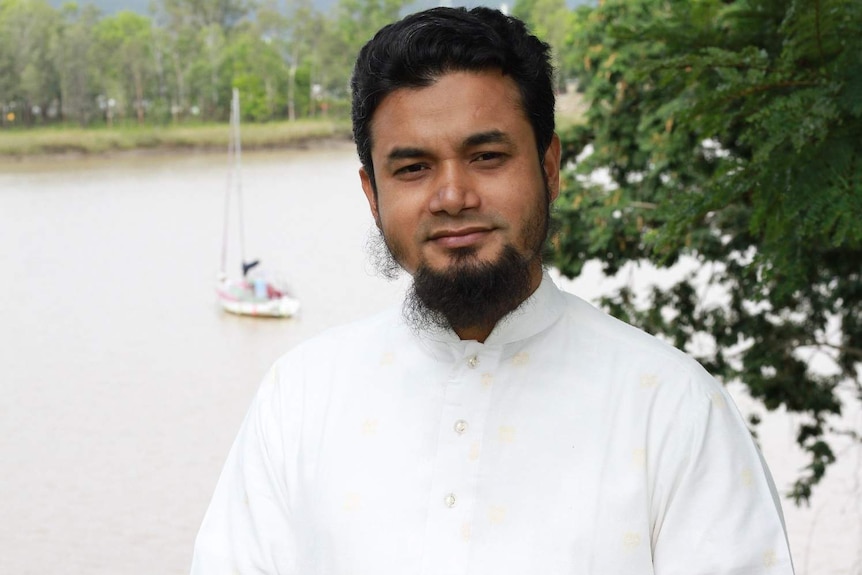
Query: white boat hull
x: 239, y: 298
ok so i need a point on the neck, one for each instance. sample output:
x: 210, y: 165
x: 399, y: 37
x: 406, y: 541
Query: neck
x: 481, y: 332
x: 478, y: 333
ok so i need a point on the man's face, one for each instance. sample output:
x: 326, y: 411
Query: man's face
x: 458, y: 175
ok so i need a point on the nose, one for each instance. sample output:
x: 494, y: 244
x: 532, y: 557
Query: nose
x: 453, y: 190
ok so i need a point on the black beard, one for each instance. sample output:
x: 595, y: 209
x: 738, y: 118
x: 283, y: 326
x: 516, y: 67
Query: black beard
x: 469, y: 294
x: 381, y: 256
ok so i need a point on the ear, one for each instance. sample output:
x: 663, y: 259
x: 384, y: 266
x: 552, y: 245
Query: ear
x: 551, y: 166
x: 370, y: 195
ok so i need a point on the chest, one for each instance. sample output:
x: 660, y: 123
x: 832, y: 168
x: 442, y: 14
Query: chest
x: 480, y: 466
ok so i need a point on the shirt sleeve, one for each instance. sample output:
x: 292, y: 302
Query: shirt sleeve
x: 247, y: 527
x: 722, y: 514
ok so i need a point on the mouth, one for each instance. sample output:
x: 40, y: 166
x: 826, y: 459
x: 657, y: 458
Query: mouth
x: 459, y: 237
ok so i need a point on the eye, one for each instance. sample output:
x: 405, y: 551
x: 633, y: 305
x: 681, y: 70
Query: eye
x: 409, y: 169
x: 492, y: 158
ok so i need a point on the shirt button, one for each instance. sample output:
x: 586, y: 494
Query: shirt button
x: 460, y: 426
x: 449, y: 500
x: 473, y: 361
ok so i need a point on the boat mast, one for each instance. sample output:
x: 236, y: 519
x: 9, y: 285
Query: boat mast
x: 234, y: 181
x: 234, y: 104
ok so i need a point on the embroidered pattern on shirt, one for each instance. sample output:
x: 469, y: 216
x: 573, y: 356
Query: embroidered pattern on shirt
x: 631, y: 540
x: 506, y: 434
x: 369, y: 427
x: 474, y: 451
x: 649, y: 381
x: 497, y: 515
x: 639, y: 458
x: 352, y: 502
x: 466, y: 531
x: 487, y: 380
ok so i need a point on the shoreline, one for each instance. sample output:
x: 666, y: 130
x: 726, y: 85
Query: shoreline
x: 72, y: 142
x: 328, y: 142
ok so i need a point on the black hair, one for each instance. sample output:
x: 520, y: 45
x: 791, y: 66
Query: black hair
x: 415, y: 51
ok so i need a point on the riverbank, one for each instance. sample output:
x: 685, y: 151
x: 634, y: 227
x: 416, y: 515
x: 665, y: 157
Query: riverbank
x: 19, y: 144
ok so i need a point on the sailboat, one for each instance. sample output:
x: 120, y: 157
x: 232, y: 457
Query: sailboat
x: 251, y: 293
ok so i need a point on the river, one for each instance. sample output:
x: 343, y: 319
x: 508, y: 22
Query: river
x: 122, y: 384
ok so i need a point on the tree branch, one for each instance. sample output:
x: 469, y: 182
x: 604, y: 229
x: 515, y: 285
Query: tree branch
x: 767, y: 87
x: 688, y: 67
x: 644, y: 205
x: 854, y: 351
x: 817, y: 26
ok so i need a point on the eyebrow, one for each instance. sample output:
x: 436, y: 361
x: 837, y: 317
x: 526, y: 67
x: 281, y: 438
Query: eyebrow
x: 489, y: 137
x: 405, y: 153
x: 479, y: 139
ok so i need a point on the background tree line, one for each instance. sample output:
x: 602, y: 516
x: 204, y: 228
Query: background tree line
x: 75, y: 65
x: 179, y: 63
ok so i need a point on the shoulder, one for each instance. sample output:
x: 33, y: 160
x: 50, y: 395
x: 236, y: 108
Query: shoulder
x: 345, y: 344
x: 615, y: 332
x: 645, y: 358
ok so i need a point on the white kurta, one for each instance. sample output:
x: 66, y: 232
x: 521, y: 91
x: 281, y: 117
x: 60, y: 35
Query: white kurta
x: 567, y: 443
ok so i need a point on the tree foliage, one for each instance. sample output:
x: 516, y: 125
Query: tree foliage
x: 182, y: 61
x: 74, y: 59
x: 354, y: 23
x: 552, y: 21
x: 27, y: 31
x: 731, y: 135
x: 124, y: 44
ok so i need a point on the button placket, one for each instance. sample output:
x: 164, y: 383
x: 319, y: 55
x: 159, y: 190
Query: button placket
x: 456, y: 470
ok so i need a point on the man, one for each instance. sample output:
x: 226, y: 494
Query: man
x: 494, y: 425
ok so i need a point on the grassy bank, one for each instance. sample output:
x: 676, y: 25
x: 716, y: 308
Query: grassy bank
x: 73, y: 140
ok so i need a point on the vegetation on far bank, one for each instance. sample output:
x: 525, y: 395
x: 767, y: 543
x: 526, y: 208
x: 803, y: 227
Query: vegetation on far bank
x: 74, y: 80
x: 210, y: 137
x: 180, y: 63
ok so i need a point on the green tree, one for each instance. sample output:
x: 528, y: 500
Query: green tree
x: 28, y: 82
x: 260, y: 74
x: 207, y: 76
x: 125, y: 43
x: 354, y: 23
x: 72, y: 53
x: 305, y: 27
x: 552, y: 21
x: 731, y: 132
x: 224, y: 14
x: 178, y: 47
x: 197, y: 34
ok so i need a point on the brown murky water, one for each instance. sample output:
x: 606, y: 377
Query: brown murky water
x: 122, y: 384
